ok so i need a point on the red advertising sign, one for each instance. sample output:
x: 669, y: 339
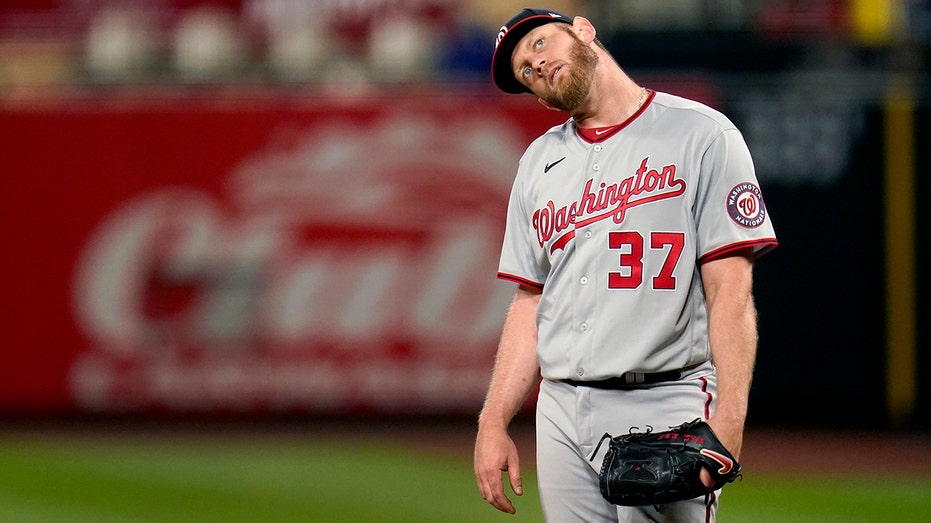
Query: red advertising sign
x: 322, y: 256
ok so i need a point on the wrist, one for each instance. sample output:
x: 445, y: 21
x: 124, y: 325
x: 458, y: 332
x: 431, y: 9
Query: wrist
x: 493, y: 421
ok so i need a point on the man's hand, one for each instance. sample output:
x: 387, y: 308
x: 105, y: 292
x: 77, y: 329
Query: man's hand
x: 731, y: 436
x: 496, y: 453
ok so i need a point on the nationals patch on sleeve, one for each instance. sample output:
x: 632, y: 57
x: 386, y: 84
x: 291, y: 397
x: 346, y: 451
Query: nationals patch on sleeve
x: 745, y: 205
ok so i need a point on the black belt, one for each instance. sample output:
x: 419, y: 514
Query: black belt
x: 628, y: 380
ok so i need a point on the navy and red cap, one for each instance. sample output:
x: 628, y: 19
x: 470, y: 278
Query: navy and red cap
x: 511, y: 33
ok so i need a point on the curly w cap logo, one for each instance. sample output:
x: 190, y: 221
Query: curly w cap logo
x: 501, y: 33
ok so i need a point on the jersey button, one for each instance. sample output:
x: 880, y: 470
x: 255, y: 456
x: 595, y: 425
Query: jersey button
x: 583, y: 280
x: 598, y: 148
x: 580, y: 371
x: 588, y: 234
x: 596, y: 167
x: 583, y: 326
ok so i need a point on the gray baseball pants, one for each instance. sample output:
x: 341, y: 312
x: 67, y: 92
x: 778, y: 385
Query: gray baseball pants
x: 571, y: 419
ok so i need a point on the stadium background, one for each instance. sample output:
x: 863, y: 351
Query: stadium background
x: 284, y: 216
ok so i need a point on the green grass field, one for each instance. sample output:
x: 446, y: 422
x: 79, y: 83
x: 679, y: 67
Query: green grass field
x: 105, y: 478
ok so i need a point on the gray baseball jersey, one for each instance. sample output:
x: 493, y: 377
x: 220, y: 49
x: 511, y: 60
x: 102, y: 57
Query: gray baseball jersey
x: 613, y: 224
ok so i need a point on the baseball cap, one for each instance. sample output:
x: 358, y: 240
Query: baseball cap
x: 511, y: 33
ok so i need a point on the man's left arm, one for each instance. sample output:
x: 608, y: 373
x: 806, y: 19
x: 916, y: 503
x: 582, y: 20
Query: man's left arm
x: 732, y: 330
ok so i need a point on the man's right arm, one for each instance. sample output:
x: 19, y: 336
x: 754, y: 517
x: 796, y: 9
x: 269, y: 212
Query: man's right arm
x: 515, y: 374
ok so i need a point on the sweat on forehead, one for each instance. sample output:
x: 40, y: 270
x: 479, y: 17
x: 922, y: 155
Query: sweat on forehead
x: 508, y: 36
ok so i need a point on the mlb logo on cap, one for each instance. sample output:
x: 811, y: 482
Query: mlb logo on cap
x: 511, y: 33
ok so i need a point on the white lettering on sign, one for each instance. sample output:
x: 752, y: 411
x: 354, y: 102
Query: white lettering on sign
x: 332, y: 281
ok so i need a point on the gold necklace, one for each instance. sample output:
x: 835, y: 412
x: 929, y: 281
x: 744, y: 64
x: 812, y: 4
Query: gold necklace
x: 643, y: 95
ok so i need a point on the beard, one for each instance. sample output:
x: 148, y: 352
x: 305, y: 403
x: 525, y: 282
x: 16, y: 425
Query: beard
x: 570, y: 96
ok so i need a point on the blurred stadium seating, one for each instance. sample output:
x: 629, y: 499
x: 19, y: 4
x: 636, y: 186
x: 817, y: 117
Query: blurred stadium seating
x: 68, y: 42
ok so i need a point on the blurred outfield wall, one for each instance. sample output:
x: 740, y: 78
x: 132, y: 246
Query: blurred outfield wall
x: 322, y: 256
x: 273, y: 254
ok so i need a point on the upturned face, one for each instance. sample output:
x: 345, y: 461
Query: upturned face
x: 556, y: 65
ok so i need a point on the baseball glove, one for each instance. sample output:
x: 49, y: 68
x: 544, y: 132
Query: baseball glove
x: 655, y: 468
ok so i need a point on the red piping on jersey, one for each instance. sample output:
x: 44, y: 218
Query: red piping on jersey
x: 766, y: 244
x: 710, y: 503
x: 590, y: 136
x: 519, y: 280
x: 704, y: 388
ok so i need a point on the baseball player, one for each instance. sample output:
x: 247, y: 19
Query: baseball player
x: 631, y: 232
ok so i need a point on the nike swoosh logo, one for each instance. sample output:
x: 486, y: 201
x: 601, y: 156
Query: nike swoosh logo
x: 551, y: 165
x: 601, y: 131
x: 724, y: 461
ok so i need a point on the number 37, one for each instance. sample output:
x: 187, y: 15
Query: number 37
x: 632, y: 242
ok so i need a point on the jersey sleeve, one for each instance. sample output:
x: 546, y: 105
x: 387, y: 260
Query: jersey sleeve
x: 730, y: 213
x: 522, y: 259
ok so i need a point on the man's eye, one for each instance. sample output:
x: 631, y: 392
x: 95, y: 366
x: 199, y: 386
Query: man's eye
x: 538, y: 43
x: 526, y: 71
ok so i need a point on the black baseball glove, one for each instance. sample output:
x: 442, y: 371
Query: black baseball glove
x: 655, y: 468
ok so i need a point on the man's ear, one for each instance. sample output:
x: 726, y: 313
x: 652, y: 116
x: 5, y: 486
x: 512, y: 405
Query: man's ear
x: 548, y: 106
x: 584, y: 29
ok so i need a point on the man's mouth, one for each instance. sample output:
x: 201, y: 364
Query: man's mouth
x: 554, y: 73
